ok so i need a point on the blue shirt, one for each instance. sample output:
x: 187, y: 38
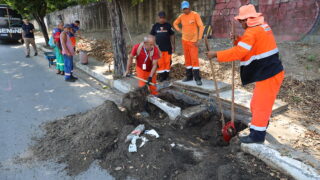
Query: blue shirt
x: 74, y: 28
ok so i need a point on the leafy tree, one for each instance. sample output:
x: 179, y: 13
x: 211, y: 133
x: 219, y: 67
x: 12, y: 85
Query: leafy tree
x: 38, y: 9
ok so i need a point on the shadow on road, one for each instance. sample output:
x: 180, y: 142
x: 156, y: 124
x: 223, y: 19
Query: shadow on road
x: 10, y: 43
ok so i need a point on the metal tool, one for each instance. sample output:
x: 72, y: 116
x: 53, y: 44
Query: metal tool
x: 157, y: 85
x: 229, y: 130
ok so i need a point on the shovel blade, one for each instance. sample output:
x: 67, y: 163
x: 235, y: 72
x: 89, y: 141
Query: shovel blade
x: 228, y: 131
x: 163, y: 85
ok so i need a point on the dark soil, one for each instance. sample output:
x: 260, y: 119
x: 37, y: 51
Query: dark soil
x: 192, y: 153
x: 175, y: 101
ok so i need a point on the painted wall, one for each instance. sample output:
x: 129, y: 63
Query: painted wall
x: 289, y: 19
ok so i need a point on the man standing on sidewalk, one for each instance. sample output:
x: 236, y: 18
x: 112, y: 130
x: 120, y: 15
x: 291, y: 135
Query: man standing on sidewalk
x: 68, y: 53
x: 165, y: 40
x: 28, y: 37
x: 192, y: 31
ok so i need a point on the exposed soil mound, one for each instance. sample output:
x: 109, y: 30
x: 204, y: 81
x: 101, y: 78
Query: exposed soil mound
x: 78, y: 140
x: 135, y: 101
x: 99, y: 134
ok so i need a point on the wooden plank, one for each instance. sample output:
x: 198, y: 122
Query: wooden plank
x: 207, y: 86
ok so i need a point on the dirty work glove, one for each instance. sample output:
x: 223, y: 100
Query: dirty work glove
x: 149, y: 80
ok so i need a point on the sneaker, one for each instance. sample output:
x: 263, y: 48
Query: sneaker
x: 199, y: 82
x: 249, y: 140
x: 36, y: 54
x: 70, y: 80
x: 27, y: 56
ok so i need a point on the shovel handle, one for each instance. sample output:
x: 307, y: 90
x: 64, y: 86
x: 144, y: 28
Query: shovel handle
x: 233, y: 76
x: 135, y: 77
x: 215, y: 83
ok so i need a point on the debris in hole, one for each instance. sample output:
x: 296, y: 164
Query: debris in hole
x: 135, y: 133
x: 99, y: 135
x: 152, y: 132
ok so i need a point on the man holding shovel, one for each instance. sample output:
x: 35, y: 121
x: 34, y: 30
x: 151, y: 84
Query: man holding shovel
x: 260, y: 64
x: 147, y: 56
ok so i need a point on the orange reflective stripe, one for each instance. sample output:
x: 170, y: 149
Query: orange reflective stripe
x: 255, y: 41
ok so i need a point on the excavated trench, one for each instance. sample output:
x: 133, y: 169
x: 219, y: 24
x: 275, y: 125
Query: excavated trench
x: 195, y: 152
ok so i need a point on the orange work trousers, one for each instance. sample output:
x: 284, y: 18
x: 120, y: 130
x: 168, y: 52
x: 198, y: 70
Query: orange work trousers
x: 164, y: 62
x: 191, y: 54
x: 144, y: 75
x: 264, y: 96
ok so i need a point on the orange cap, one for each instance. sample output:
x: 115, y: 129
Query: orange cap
x: 247, y: 11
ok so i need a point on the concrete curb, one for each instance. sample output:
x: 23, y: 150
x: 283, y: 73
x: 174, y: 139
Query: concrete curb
x: 284, y: 164
x: 172, y: 110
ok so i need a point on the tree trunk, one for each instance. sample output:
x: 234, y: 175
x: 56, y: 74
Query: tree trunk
x: 43, y: 27
x: 118, y: 40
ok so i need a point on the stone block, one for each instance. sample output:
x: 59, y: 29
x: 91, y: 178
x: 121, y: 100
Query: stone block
x: 207, y: 86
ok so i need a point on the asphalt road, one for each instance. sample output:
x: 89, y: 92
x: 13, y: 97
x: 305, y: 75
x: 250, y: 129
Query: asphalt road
x: 32, y: 94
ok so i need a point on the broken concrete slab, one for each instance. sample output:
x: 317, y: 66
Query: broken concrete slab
x: 172, y: 110
x: 180, y: 96
x: 240, y: 115
x: 193, y: 111
x: 286, y: 165
x: 207, y: 86
x: 243, y: 99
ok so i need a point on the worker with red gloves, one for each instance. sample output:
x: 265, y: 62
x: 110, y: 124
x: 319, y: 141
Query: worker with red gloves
x: 192, y: 31
x: 260, y: 64
x: 147, y: 55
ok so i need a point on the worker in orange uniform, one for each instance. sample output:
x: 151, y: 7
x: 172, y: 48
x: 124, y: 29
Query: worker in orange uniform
x: 164, y: 35
x: 147, y: 55
x: 192, y: 31
x: 260, y: 64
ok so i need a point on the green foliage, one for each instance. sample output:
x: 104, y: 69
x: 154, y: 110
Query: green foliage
x: 136, y: 2
x: 311, y: 58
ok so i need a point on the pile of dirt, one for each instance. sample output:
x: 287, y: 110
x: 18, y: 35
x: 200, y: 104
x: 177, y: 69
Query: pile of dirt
x: 100, y: 133
x: 101, y: 50
x: 78, y: 140
x: 135, y: 101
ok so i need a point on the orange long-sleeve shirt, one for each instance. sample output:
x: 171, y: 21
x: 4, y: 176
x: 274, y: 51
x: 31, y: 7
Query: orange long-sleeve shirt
x: 192, y: 26
x: 258, y: 54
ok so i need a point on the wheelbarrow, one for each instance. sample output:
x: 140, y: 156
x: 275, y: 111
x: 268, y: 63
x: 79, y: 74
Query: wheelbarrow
x: 51, y: 57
